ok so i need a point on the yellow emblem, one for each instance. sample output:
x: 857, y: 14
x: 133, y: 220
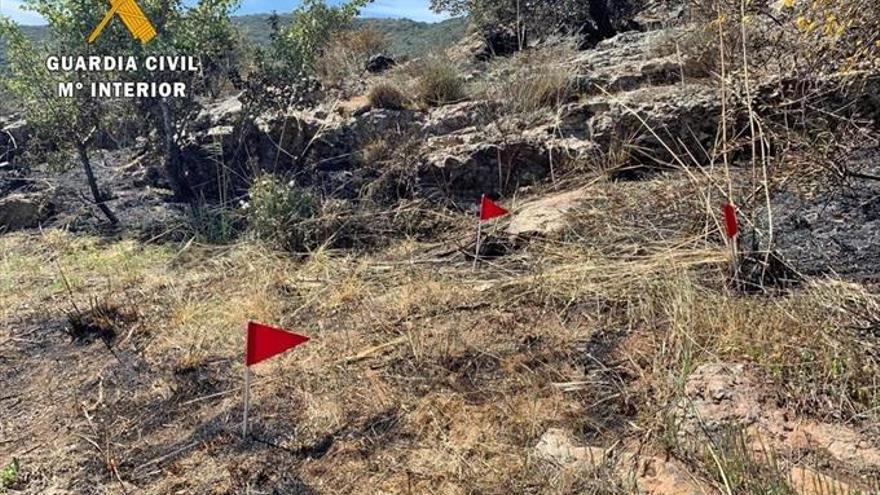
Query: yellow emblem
x: 133, y: 18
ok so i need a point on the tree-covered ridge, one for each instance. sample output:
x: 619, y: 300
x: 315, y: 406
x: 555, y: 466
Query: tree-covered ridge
x: 407, y: 37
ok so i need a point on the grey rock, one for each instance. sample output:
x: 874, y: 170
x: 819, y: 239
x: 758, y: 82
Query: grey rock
x: 457, y: 116
x: 21, y: 211
x: 469, y: 163
x: 558, y: 447
x: 547, y: 216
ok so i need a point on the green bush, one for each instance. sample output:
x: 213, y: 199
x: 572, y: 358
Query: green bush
x: 282, y: 214
x: 439, y: 83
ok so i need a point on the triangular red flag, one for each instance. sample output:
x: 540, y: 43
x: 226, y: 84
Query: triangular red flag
x: 730, y: 222
x: 264, y: 342
x: 490, y: 210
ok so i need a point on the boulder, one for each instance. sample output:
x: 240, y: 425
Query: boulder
x: 224, y: 112
x: 547, y: 216
x: 482, y: 46
x: 379, y: 64
x: 21, y: 211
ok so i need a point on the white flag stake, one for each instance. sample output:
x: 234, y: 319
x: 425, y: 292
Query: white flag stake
x: 247, y: 393
x: 479, y: 233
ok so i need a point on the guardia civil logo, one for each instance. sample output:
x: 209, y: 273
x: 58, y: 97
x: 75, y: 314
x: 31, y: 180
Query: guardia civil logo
x: 132, y: 16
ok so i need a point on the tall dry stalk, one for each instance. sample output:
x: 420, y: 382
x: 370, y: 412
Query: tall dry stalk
x: 757, y: 137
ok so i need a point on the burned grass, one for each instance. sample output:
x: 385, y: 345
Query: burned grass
x: 423, y: 375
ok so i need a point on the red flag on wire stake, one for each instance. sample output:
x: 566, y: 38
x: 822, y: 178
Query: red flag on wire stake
x: 730, y: 222
x: 488, y: 210
x: 264, y: 342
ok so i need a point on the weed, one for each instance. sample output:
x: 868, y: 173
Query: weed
x: 279, y: 214
x: 9, y: 475
x: 386, y: 95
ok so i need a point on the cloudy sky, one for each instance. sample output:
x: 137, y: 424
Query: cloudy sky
x: 413, y: 9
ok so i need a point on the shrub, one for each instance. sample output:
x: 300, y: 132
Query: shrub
x: 844, y: 34
x: 593, y: 19
x: 347, y: 53
x: 438, y: 82
x: 820, y: 36
x: 386, y: 95
x: 280, y: 214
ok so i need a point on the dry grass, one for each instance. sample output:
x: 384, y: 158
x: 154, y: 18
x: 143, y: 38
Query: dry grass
x: 345, y: 56
x: 532, y: 80
x: 385, y: 94
x: 438, y: 81
x: 424, y: 375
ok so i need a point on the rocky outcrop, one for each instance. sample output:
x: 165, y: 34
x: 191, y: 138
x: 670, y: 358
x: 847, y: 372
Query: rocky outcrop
x: 455, y: 117
x: 632, y: 60
x: 469, y: 163
x: 665, y: 121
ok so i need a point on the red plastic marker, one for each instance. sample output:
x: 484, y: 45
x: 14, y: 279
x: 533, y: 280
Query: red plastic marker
x: 264, y: 342
x: 730, y: 221
x: 488, y: 210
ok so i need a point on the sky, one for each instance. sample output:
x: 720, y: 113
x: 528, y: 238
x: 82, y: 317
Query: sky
x: 413, y: 9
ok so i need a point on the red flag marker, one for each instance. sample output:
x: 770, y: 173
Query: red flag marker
x: 264, y: 342
x: 489, y: 209
x: 730, y: 221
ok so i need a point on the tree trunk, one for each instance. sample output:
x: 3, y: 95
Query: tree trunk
x: 173, y: 166
x: 83, y: 153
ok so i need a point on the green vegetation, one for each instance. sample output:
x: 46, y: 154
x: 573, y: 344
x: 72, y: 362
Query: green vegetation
x: 413, y: 39
x: 9, y: 475
x: 280, y: 214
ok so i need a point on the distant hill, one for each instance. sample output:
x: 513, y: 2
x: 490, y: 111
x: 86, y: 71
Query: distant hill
x: 411, y: 38
x: 408, y: 38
